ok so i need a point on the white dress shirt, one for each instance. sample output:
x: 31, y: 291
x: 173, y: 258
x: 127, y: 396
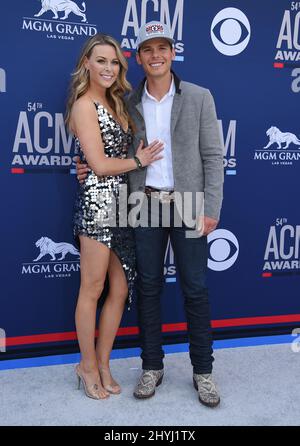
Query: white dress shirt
x: 157, y: 116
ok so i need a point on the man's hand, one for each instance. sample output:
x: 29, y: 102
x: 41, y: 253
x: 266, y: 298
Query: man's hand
x: 206, y: 225
x: 81, y: 170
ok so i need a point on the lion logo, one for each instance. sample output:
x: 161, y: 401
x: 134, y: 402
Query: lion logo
x: 48, y: 246
x: 278, y: 137
x: 67, y: 6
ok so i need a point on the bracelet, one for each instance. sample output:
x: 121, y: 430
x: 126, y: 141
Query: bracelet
x: 138, y: 163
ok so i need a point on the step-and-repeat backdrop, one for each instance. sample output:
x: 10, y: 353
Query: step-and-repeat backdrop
x: 248, y: 54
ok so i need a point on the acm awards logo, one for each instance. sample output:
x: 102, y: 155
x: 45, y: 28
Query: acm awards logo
x: 55, y: 260
x: 281, y: 256
x: 169, y: 264
x: 228, y: 142
x: 2, y: 80
x: 295, y: 80
x: 288, y: 44
x: 51, y: 19
x: 41, y: 142
x: 138, y: 12
x: 282, y: 149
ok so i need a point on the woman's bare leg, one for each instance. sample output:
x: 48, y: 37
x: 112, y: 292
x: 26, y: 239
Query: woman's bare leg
x: 94, y: 261
x: 110, y: 319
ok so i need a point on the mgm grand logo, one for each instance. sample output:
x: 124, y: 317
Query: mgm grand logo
x: 283, y: 148
x: 58, y: 266
x: 54, y: 15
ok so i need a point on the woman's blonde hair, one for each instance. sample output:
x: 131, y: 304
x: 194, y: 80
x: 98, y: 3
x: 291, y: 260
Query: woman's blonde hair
x: 115, y: 94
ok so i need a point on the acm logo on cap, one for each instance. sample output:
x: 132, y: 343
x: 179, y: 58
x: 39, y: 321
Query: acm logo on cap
x: 157, y: 28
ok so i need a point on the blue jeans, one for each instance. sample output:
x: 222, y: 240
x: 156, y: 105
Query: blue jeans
x: 191, y: 264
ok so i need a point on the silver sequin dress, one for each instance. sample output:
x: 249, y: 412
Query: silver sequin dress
x: 99, y: 207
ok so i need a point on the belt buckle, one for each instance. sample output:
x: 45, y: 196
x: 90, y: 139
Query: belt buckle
x: 165, y: 197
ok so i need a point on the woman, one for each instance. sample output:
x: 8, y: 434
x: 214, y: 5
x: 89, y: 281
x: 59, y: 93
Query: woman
x: 97, y: 116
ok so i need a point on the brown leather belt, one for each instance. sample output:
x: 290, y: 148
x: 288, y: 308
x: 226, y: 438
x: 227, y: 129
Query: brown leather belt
x: 164, y: 196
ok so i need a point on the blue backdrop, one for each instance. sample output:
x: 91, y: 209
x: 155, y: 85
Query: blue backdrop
x: 248, y: 54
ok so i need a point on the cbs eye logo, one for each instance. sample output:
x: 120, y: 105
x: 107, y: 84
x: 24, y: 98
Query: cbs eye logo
x: 223, y: 249
x: 230, y: 31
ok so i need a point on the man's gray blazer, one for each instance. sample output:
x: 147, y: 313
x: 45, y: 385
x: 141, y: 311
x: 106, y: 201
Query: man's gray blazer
x: 196, y: 148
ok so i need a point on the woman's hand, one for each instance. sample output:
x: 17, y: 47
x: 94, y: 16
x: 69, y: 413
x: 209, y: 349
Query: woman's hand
x: 150, y: 153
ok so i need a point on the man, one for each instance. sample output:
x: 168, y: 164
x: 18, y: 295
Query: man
x: 183, y: 116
